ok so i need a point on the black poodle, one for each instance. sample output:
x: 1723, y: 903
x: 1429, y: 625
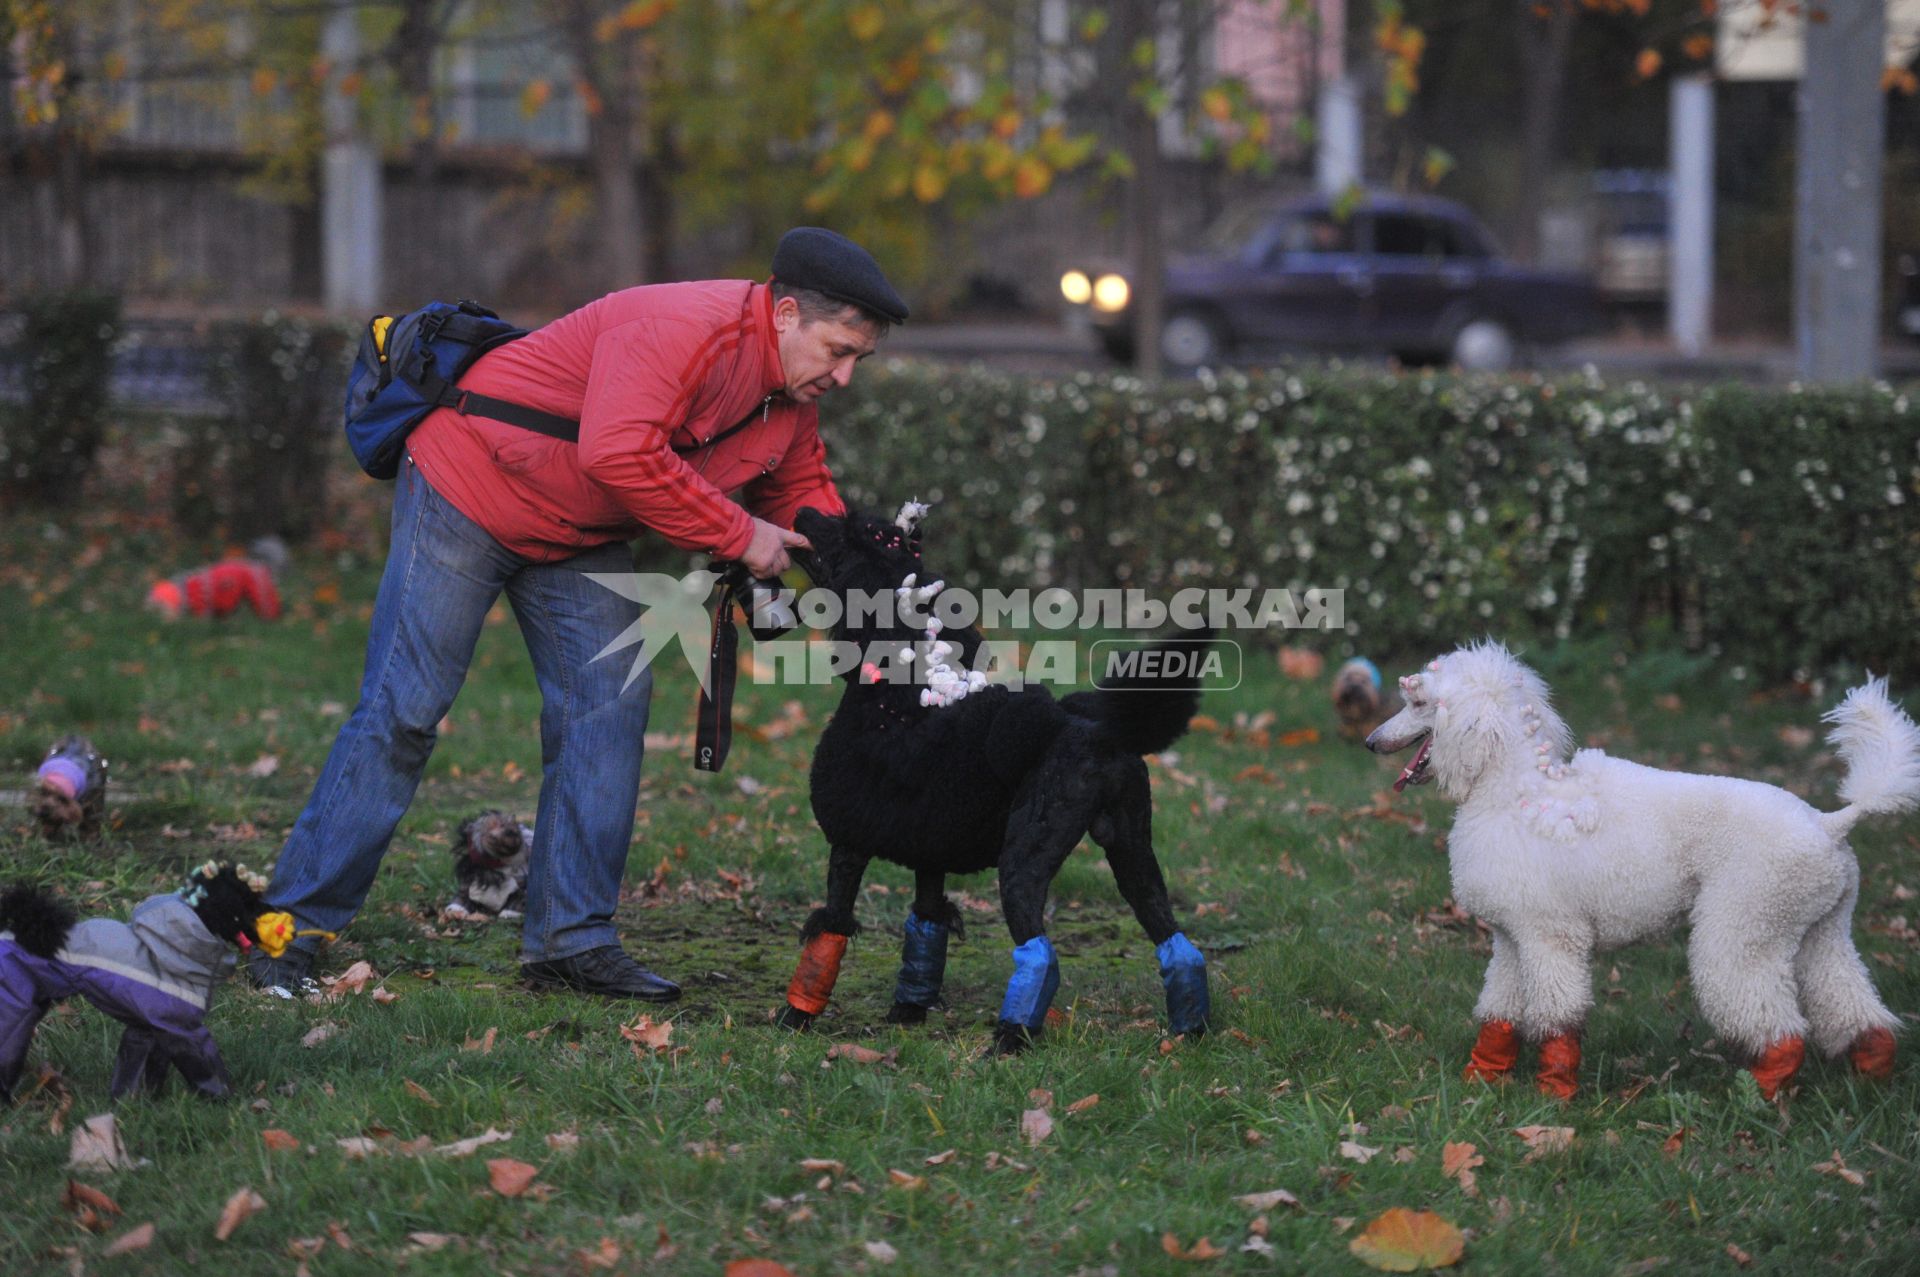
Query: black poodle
x: 945, y: 774
x: 155, y: 973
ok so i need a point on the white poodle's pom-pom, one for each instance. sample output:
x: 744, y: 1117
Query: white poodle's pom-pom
x: 1881, y: 747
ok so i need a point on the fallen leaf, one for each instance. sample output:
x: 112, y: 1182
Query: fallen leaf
x: 1457, y: 1162
x: 1035, y: 1126
x: 1738, y: 1256
x: 1839, y: 1167
x: 1355, y: 1152
x: 605, y: 1255
x: 1405, y: 1154
x: 319, y: 1033
x: 483, y: 1044
x: 338, y: 1231
x: 643, y: 1032
x: 1259, y: 1202
x: 420, y: 1093
x: 1040, y: 1098
x: 510, y: 1178
x: 244, y: 1204
x: 353, y: 980
x: 1202, y: 1249
x: 1302, y: 662
x: 816, y: 1165
x: 1084, y: 1103
x: 1404, y: 1241
x: 881, y: 1252
x: 902, y: 1179
x: 306, y: 1247
x: 862, y: 1054
x: 564, y: 1141
x: 1256, y: 1245
x: 1542, y: 1140
x: 279, y: 1141
x: 430, y: 1242
x: 96, y: 1146
x: 138, y: 1237
x: 264, y: 766
x: 941, y: 1159
x: 472, y: 1144
x: 1674, y: 1141
x: 757, y: 1268
x: 88, y: 1205
x: 384, y: 995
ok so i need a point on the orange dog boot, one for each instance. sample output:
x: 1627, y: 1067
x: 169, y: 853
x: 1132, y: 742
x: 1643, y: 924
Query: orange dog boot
x: 1777, y: 1065
x: 1495, y: 1053
x: 1559, y: 1066
x: 819, y: 967
x: 1872, y: 1054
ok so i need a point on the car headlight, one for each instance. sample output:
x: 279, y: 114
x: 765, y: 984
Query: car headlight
x: 1076, y: 287
x: 1110, y: 293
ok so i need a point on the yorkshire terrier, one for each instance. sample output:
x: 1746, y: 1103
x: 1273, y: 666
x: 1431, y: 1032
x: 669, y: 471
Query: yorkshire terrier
x: 155, y: 973
x: 490, y: 856
x: 72, y: 788
x: 1358, y: 697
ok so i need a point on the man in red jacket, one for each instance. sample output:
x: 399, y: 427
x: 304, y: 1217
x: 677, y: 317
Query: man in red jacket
x: 685, y: 394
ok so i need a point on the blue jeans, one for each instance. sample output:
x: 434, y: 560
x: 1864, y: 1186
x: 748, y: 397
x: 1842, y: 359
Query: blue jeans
x: 443, y: 574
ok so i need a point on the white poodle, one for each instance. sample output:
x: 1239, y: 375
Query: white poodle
x: 1563, y: 856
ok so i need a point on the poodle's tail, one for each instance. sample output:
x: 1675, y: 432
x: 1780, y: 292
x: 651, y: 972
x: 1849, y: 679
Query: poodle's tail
x: 1881, y: 748
x: 39, y: 920
x: 1144, y: 704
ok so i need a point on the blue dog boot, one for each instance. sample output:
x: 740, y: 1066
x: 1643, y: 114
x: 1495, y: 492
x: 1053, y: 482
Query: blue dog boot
x: 1184, y: 973
x: 923, y: 968
x: 1030, y: 990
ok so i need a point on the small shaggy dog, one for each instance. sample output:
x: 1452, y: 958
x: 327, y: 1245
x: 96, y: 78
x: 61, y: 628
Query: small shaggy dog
x: 1563, y: 856
x: 155, y: 973
x: 490, y: 866
x: 945, y: 774
x: 70, y: 788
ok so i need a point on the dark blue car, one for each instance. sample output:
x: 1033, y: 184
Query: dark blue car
x: 1412, y: 276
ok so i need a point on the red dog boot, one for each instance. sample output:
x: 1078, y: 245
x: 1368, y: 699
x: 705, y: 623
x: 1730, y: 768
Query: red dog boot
x: 1559, y: 1066
x: 813, y: 979
x: 1777, y: 1065
x: 1495, y: 1053
x: 1872, y: 1054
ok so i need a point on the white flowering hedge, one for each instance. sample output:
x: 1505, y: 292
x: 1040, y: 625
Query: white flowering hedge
x: 1776, y: 527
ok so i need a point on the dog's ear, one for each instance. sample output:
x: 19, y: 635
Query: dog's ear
x: 1473, y: 726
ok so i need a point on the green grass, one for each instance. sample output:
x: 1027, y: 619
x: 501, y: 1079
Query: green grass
x: 1342, y: 993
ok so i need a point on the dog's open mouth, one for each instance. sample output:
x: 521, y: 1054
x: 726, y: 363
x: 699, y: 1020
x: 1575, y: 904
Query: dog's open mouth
x: 1415, y: 772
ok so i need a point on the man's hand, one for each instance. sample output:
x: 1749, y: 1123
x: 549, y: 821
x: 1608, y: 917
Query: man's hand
x: 766, y: 554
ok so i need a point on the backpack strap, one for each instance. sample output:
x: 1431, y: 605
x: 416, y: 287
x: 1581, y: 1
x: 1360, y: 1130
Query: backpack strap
x: 471, y: 403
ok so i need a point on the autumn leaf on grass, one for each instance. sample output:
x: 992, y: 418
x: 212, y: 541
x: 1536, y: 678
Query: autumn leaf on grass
x: 1405, y: 1241
x: 263, y: 766
x: 822, y: 1165
x: 757, y: 1268
x: 564, y: 1141
x: 353, y: 980
x: 1675, y: 1141
x: 605, y: 1255
x: 1357, y: 1152
x: 1543, y: 1140
x: 96, y: 1146
x: 239, y: 1208
x: 88, y: 1206
x: 279, y: 1141
x: 510, y: 1178
x: 482, y: 1044
x: 904, y: 1180
x: 1262, y: 1202
x: 474, y: 1143
x: 1035, y: 1126
x: 880, y: 1252
x: 645, y: 1034
x: 1838, y: 1167
x: 863, y: 1054
x: 1202, y: 1249
x: 136, y: 1238
x: 1084, y: 1103
x: 1457, y: 1162
x: 420, y: 1093
x: 319, y: 1033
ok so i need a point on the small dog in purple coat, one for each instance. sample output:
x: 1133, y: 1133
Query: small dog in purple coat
x: 155, y: 973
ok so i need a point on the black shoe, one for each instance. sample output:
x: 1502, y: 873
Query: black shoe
x: 289, y: 975
x: 607, y: 971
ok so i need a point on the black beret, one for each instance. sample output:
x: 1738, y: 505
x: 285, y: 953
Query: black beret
x: 825, y: 262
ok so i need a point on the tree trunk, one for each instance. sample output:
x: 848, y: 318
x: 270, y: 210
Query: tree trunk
x: 614, y: 157
x: 73, y: 229
x: 1140, y: 139
x: 1544, y: 43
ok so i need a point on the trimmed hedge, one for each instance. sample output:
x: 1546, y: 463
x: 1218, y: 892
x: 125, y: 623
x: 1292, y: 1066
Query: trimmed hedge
x: 1775, y: 528
x: 48, y: 440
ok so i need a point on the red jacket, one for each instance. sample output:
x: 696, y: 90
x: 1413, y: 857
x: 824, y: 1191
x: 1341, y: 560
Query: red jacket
x: 646, y: 371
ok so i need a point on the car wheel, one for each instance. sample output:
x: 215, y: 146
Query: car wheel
x: 1484, y: 345
x: 1190, y: 339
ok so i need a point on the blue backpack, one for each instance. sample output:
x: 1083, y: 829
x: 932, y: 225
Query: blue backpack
x: 410, y: 365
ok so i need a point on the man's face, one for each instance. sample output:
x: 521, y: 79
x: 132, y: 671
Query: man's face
x: 819, y: 356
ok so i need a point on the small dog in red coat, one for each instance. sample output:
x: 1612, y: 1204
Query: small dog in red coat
x: 220, y: 589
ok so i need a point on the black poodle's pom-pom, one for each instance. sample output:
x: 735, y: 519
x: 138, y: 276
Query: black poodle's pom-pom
x: 38, y: 919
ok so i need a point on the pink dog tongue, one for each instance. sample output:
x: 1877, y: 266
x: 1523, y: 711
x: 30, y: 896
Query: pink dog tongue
x: 1419, y: 757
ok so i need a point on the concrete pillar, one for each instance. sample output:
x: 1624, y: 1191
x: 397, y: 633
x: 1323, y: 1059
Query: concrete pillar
x: 1690, y: 214
x: 1340, y: 140
x: 350, y: 183
x: 1842, y: 143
